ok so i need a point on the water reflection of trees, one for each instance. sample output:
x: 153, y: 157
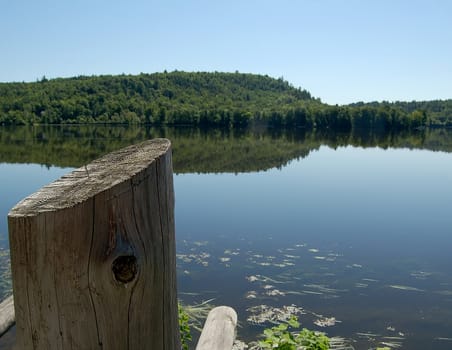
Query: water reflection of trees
x: 200, y: 150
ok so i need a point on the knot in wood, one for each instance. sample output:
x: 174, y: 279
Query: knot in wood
x: 125, y: 268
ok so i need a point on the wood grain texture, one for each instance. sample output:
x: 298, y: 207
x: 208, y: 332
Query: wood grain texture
x: 7, y: 318
x: 219, y: 329
x: 93, y: 256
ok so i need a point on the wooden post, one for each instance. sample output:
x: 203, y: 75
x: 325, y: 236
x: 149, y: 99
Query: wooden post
x: 218, y: 332
x: 6, y: 314
x: 93, y: 256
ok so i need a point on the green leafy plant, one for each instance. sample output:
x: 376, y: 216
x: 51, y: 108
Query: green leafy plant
x: 184, y: 327
x: 280, y: 338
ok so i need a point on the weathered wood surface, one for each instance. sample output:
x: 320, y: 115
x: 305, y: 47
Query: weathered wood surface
x: 6, y: 314
x: 93, y: 256
x: 219, y: 329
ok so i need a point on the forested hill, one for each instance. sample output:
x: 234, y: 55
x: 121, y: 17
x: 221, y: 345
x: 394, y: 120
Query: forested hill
x: 221, y: 99
x: 172, y: 98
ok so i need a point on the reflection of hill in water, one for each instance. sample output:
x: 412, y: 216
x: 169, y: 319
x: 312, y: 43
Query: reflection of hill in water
x: 196, y: 150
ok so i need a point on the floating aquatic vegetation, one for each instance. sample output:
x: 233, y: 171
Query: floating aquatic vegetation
x: 398, y: 286
x: 311, y: 292
x: 261, y: 314
x: 370, y: 280
x: 197, y: 313
x: 286, y: 260
x: 392, y: 342
x: 200, y: 258
x: 326, y: 321
x: 324, y: 289
x: 200, y: 243
x: 294, y: 292
x: 300, y: 245
x: 262, y: 278
x: 394, y: 338
x: 189, y: 293
x: 232, y: 251
x: 269, y: 291
x: 184, y: 258
x: 369, y: 335
x: 354, y: 266
x: 339, y: 343
x: 421, y: 275
x: 391, y: 345
x: 400, y: 335
x: 443, y: 339
x: 274, y: 293
x: 292, y: 256
x: 271, y: 260
x: 262, y: 260
x: 252, y: 294
x: 252, y: 278
x: 239, y: 345
x: 312, y: 275
x: 282, y: 264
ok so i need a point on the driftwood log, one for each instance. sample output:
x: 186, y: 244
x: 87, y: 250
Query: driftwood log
x: 6, y: 314
x: 93, y: 256
x: 218, y: 332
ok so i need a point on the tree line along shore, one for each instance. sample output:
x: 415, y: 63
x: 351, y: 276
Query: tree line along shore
x: 203, y: 99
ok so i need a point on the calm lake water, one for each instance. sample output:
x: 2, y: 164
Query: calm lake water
x: 357, y: 239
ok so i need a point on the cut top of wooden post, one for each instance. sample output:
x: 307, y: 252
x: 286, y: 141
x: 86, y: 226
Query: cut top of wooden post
x: 219, y: 330
x: 92, y: 179
x: 93, y: 256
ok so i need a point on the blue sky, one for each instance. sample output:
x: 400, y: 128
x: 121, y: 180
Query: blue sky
x: 340, y: 50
